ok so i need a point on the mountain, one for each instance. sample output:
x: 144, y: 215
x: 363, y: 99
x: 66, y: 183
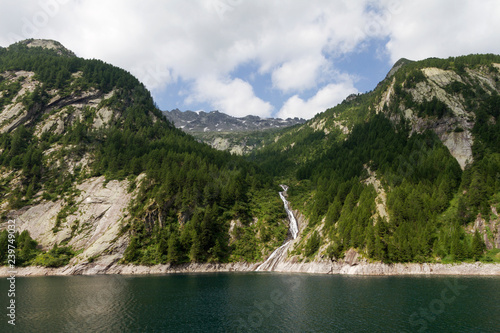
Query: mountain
x: 94, y: 176
x: 224, y: 132
x: 92, y: 173
x: 407, y: 172
x: 216, y: 121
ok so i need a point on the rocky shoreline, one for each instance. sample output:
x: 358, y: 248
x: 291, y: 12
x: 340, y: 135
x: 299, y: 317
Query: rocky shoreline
x: 321, y: 267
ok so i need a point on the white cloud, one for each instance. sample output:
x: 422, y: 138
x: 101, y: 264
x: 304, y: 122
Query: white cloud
x: 327, y: 97
x: 428, y: 28
x: 234, y: 97
x: 185, y: 40
x: 299, y: 74
x: 294, y: 46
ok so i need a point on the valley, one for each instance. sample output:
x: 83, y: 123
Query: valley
x: 404, y: 179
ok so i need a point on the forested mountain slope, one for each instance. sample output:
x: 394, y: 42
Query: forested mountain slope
x: 407, y: 172
x: 93, y: 172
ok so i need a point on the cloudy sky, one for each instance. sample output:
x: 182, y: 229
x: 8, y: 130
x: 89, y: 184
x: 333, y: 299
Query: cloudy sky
x: 269, y: 58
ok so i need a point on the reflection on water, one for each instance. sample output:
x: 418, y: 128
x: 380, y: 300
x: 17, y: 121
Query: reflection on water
x: 256, y: 302
x: 74, y: 304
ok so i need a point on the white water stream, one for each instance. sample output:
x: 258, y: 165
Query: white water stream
x: 274, y: 258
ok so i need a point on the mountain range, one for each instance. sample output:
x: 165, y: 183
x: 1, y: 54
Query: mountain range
x: 223, y: 132
x: 215, y: 121
x: 94, y: 175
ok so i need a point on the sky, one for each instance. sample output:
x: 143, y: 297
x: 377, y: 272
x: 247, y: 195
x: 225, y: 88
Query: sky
x: 270, y: 58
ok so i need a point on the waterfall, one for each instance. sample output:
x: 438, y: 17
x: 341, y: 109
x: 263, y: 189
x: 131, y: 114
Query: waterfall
x: 293, y: 227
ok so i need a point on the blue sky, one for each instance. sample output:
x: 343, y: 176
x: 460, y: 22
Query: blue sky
x: 271, y: 58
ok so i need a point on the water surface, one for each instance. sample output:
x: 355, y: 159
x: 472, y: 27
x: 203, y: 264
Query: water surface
x: 255, y: 302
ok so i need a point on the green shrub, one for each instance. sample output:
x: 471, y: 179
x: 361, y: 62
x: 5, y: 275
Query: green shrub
x: 56, y: 257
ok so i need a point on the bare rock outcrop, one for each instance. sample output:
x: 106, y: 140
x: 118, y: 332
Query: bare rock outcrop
x: 49, y: 44
x: 108, y: 267
x: 454, y: 130
x: 417, y: 269
x: 490, y: 229
x: 321, y: 267
x: 15, y: 113
x: 94, y: 226
x: 381, y: 199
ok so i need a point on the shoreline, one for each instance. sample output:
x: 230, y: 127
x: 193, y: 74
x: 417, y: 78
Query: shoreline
x: 322, y: 267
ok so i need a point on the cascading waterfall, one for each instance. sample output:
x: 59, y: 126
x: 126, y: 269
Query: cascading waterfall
x: 293, y: 227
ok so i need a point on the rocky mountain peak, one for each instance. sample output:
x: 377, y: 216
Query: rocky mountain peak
x: 224, y: 132
x: 48, y: 44
x: 215, y: 121
x: 400, y: 63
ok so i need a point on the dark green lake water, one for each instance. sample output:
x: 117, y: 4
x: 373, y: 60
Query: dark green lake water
x: 254, y: 302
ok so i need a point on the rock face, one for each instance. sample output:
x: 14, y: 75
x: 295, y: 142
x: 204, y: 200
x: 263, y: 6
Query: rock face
x: 381, y: 199
x: 458, y: 143
x: 49, y: 44
x: 454, y: 130
x: 60, y: 113
x: 94, y: 226
x: 489, y: 229
x: 15, y: 113
x: 224, y: 143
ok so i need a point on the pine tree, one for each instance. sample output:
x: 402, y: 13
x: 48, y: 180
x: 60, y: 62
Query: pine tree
x: 370, y: 241
x: 478, y: 245
x: 132, y: 251
x: 195, y: 251
x: 174, y: 254
x: 457, y: 249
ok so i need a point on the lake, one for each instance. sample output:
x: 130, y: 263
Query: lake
x: 254, y: 302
